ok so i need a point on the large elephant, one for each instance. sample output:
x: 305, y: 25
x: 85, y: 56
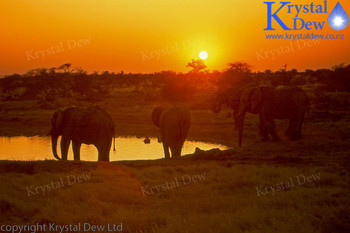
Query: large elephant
x: 271, y: 103
x: 91, y: 125
x: 174, y: 123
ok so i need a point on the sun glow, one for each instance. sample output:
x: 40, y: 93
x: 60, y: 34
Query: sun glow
x: 133, y: 43
x: 338, y: 21
x: 203, y: 55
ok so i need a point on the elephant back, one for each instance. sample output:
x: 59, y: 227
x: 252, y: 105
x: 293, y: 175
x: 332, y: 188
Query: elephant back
x: 96, y: 116
x: 175, y: 122
x: 95, y: 123
x: 289, y: 101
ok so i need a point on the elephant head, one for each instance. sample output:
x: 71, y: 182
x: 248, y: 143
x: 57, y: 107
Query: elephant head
x: 223, y: 97
x: 56, y: 131
x: 252, y: 100
x: 229, y: 97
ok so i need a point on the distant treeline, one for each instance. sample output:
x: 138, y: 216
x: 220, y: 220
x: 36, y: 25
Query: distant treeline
x: 65, y: 81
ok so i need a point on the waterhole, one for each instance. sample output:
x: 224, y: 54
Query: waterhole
x: 131, y: 148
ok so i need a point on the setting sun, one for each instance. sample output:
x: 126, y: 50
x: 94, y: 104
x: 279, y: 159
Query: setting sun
x: 203, y: 55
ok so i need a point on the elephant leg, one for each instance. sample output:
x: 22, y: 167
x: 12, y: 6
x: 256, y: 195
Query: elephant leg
x: 65, y: 142
x: 264, y: 136
x: 76, y: 150
x: 289, y: 131
x: 263, y: 132
x: 106, y: 153
x: 176, y: 151
x: 271, y: 128
x: 103, y: 153
x: 166, y: 150
x: 103, y: 148
x: 297, y: 131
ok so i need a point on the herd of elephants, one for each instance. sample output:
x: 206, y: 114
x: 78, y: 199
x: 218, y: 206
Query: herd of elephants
x: 93, y: 125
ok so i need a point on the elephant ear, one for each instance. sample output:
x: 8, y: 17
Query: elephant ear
x: 156, y: 115
x: 256, y: 96
x: 57, y: 119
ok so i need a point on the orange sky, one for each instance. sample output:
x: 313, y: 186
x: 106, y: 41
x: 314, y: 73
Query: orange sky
x: 155, y: 35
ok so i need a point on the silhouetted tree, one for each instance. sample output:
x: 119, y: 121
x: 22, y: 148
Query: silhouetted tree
x: 298, y: 80
x: 339, y: 79
x: 65, y: 67
x: 237, y: 73
x: 196, y: 65
x: 52, y: 71
x: 239, y: 67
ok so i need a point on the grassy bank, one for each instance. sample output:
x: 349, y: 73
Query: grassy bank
x: 193, y: 195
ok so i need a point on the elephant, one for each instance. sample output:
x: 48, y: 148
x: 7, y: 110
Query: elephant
x: 231, y: 98
x: 91, y: 125
x: 174, y: 123
x: 282, y: 102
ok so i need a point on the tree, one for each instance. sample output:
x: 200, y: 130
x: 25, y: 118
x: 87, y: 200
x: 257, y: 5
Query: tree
x: 237, y: 73
x: 65, y: 67
x: 339, y: 78
x: 196, y: 65
x: 293, y: 71
x: 239, y: 67
x: 52, y: 71
x: 36, y: 72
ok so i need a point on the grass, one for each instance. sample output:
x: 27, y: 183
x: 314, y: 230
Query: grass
x: 225, y: 200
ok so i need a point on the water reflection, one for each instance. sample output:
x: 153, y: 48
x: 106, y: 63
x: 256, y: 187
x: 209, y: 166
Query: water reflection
x: 39, y: 148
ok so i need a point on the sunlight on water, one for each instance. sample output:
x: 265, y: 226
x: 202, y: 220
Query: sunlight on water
x: 39, y: 148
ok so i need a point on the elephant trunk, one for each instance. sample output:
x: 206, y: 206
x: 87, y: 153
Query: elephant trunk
x: 240, y: 124
x: 54, y: 146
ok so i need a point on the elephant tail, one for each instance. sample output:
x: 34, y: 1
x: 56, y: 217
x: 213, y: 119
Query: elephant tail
x: 113, y: 139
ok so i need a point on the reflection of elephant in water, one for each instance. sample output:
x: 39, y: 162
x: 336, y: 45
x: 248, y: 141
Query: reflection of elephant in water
x: 90, y: 125
x: 274, y: 103
x: 174, y: 123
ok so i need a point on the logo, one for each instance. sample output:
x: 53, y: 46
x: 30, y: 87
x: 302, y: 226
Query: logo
x: 337, y: 20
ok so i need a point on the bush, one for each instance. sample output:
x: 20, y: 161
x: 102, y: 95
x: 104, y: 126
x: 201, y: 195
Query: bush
x: 298, y: 80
